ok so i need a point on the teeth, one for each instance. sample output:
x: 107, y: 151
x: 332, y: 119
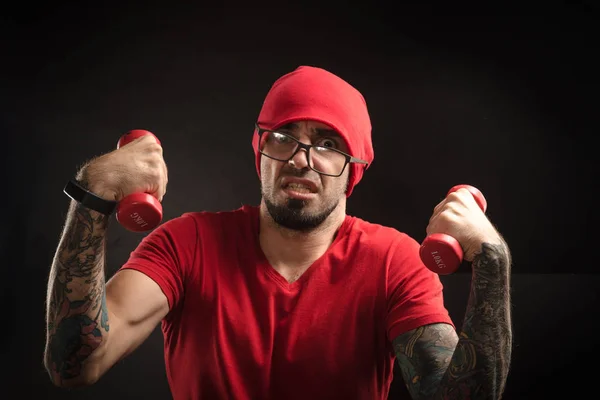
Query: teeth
x: 299, y: 187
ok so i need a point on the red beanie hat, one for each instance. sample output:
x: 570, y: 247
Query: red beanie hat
x: 310, y: 93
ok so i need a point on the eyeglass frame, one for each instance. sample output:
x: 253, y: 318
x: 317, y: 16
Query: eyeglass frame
x: 306, y: 147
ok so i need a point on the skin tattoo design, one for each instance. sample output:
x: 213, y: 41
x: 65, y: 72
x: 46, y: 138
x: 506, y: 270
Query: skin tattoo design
x: 77, y: 314
x: 435, y: 365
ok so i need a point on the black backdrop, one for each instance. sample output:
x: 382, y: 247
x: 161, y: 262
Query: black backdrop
x: 503, y: 99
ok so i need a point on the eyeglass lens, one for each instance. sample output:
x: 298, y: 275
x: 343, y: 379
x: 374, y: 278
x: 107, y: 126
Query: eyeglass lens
x: 322, y: 159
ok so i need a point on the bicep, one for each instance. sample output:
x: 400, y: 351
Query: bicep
x: 135, y: 304
x: 423, y: 356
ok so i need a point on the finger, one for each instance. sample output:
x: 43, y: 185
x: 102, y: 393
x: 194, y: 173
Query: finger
x: 159, y: 194
x: 148, y: 139
x: 164, y: 177
x: 165, y: 181
x: 455, y: 202
x: 460, y: 196
x: 158, y: 187
x: 166, y: 173
x: 442, y: 222
x: 163, y: 187
x: 437, y: 210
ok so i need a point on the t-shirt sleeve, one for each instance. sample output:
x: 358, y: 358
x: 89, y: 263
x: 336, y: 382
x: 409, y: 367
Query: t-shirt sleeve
x: 414, y: 293
x: 166, y: 255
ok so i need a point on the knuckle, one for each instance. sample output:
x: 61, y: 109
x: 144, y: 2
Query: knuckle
x: 455, y: 196
x: 454, y: 208
x: 446, y: 217
x: 155, y: 147
x: 156, y: 173
x: 155, y: 160
x: 429, y: 229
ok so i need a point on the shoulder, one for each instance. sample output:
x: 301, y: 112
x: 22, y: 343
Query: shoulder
x: 244, y: 213
x: 378, y: 236
x: 397, y: 250
x: 222, y: 222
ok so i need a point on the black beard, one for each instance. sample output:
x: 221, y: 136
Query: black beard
x: 291, y: 215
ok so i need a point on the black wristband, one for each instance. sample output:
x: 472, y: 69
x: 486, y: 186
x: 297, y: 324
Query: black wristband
x: 88, y: 199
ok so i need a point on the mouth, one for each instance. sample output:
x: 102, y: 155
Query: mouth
x: 303, y: 189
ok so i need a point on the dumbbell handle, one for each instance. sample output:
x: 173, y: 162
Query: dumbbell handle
x: 138, y: 212
x: 442, y: 253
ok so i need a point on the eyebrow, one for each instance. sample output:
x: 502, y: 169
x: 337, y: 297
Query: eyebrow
x: 322, y: 132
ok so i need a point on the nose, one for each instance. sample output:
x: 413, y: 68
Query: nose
x: 300, y: 159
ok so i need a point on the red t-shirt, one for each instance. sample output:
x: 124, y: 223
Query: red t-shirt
x: 237, y: 329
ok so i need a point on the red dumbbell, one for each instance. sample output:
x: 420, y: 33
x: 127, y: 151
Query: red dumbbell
x: 138, y: 212
x: 442, y: 253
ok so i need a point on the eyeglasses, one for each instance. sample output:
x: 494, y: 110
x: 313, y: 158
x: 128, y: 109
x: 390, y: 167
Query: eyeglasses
x: 283, y: 147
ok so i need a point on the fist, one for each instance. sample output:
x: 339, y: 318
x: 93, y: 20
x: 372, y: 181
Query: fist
x: 137, y: 167
x: 459, y: 216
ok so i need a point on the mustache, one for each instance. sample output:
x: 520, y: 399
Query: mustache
x: 305, y: 172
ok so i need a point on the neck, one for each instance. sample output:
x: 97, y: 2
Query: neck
x: 294, y: 249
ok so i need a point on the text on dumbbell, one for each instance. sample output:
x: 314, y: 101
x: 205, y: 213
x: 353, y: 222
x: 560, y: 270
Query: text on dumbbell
x: 438, y: 260
x: 138, y: 219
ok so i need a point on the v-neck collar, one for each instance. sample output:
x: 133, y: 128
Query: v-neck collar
x: 264, y: 264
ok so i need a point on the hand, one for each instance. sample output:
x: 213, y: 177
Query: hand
x: 136, y: 167
x: 459, y: 216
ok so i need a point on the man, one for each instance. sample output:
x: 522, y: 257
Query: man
x: 292, y: 299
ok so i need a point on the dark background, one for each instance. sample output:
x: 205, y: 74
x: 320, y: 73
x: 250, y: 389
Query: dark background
x: 503, y: 98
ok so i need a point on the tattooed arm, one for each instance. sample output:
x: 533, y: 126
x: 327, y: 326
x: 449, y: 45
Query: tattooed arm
x: 438, y: 364
x: 77, y: 315
x: 90, y: 324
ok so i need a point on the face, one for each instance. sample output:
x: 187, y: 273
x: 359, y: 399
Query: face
x: 297, y: 197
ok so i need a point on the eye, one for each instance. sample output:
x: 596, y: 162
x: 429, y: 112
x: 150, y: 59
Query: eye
x: 330, y: 143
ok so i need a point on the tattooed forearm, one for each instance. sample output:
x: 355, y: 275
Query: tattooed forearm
x: 438, y: 364
x: 77, y: 318
x: 481, y: 361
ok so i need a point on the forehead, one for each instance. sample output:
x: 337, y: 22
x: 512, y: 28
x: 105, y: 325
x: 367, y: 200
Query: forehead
x: 314, y: 127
